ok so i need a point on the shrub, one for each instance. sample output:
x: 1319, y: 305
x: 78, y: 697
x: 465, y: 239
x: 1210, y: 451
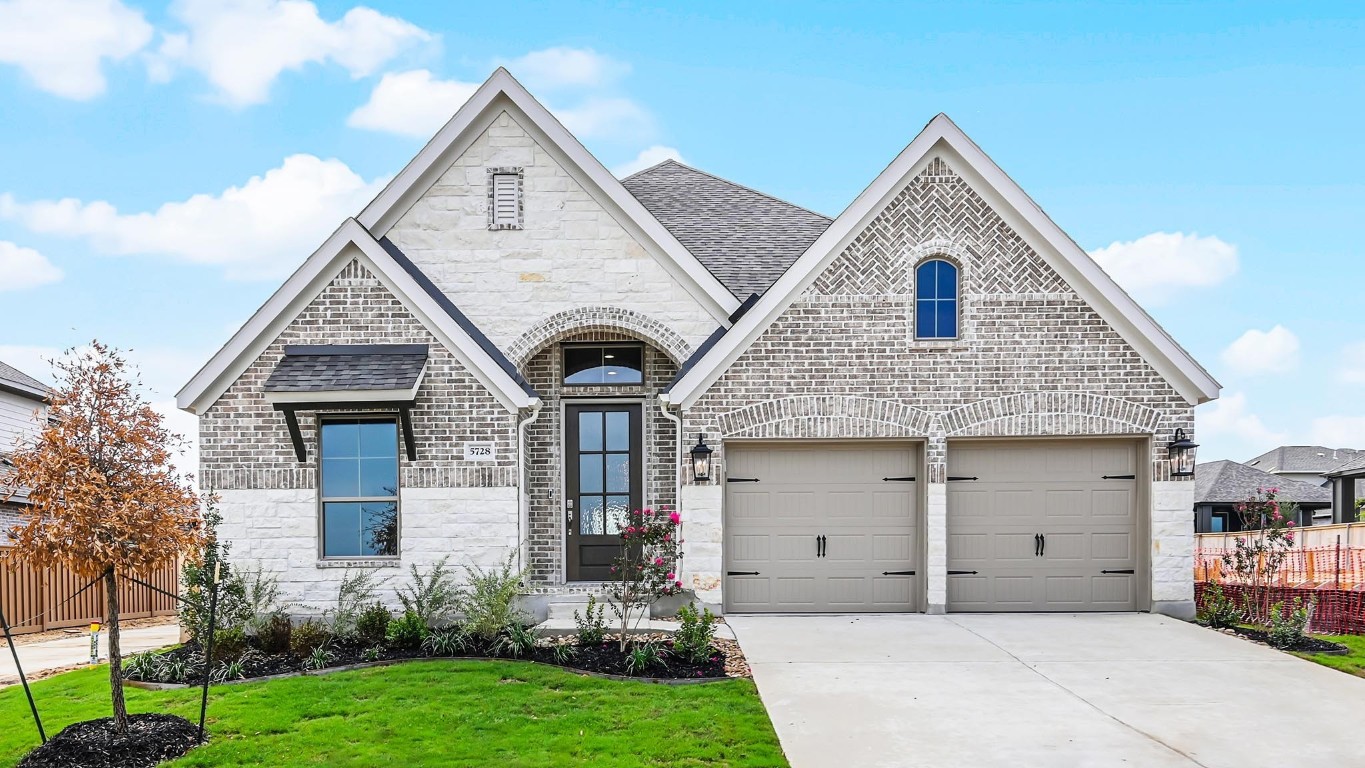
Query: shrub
x: 516, y: 640
x: 143, y: 666
x: 1288, y: 624
x: 407, y: 631
x: 1218, y: 610
x: 372, y: 624
x: 592, y: 627
x: 355, y: 591
x: 273, y: 637
x: 445, y: 642
x: 430, y: 598
x: 647, y: 568
x: 693, y: 639
x: 372, y: 653
x: 228, y: 644
x: 308, y: 637
x: 318, y: 658
x: 488, y: 600
x: 261, y: 593
x: 196, y: 578
x: 643, y: 656
x: 564, y: 653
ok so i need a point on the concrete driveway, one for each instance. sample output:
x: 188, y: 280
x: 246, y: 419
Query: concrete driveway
x: 1043, y: 690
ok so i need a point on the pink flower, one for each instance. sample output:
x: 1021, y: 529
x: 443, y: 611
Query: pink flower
x: 671, y: 576
x: 658, y: 561
x: 668, y: 537
x: 648, y: 511
x: 674, y: 518
x: 678, y: 584
x: 1290, y: 523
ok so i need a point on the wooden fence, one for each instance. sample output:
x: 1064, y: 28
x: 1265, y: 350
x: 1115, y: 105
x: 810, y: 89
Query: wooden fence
x: 36, y: 600
x: 1323, y: 557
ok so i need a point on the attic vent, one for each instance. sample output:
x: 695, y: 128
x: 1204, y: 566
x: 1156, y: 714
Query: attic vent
x: 504, y: 198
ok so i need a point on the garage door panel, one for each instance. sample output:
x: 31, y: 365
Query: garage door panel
x: 1055, y: 488
x: 837, y: 491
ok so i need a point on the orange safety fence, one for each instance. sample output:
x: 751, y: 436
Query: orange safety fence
x: 1336, y: 567
x: 1335, y: 611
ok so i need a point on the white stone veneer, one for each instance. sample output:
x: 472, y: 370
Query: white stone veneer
x: 277, y: 530
x: 702, y: 540
x: 1172, y: 542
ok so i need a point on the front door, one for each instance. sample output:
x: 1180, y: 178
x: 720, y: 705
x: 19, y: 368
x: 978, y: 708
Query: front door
x: 604, y: 481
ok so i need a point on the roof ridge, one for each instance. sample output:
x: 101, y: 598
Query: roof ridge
x: 736, y: 184
x: 659, y: 164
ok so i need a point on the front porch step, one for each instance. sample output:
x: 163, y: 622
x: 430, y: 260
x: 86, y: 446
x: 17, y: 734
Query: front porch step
x: 563, y: 606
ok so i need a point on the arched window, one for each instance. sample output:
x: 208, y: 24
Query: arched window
x: 936, y: 294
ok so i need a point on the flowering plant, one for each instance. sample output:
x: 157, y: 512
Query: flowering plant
x: 647, y: 568
x: 1257, y: 556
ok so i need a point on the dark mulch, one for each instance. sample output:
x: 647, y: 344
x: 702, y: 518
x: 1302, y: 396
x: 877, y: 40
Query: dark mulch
x: 1307, y: 644
x: 604, y: 658
x: 150, y: 740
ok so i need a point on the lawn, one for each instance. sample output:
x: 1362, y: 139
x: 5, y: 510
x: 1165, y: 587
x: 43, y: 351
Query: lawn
x: 473, y: 713
x: 1353, y: 662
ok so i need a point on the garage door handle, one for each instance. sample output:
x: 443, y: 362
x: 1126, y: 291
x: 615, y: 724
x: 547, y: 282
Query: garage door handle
x: 898, y: 479
x: 954, y: 479
x: 820, y: 545
x: 1037, y: 544
x: 1119, y: 570
x: 741, y: 479
x: 1118, y: 477
x: 898, y: 573
x: 741, y: 573
x: 961, y: 573
x: 1042, y: 538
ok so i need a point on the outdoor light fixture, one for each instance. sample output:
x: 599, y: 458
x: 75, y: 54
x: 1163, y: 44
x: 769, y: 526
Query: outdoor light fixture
x: 701, y: 460
x: 1181, y: 451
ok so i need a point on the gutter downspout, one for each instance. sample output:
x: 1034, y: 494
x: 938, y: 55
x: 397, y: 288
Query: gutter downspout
x: 678, y: 452
x: 524, y: 498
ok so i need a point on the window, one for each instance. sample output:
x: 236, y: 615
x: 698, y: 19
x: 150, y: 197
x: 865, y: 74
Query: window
x: 610, y: 364
x: 504, y: 198
x: 936, y: 294
x: 359, y: 487
x: 1218, y: 522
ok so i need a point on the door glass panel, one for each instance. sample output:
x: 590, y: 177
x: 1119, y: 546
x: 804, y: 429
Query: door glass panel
x: 590, y: 431
x: 618, y: 431
x: 618, y: 509
x: 618, y: 472
x: 590, y: 515
x: 590, y: 473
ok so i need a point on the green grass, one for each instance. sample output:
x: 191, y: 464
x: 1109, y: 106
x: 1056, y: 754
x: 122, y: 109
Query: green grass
x: 1353, y: 662
x: 474, y: 713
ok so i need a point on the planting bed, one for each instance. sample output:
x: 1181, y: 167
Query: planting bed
x: 150, y: 740
x: 1306, y: 644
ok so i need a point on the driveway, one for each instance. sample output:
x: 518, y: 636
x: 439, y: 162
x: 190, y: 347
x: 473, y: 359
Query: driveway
x: 1045, y: 690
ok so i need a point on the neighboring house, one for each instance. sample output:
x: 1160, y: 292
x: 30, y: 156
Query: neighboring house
x: 23, y: 412
x: 934, y: 402
x: 1309, y: 464
x: 1348, y: 488
x: 1219, y: 486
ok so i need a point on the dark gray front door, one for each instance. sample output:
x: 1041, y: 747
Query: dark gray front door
x: 604, y: 481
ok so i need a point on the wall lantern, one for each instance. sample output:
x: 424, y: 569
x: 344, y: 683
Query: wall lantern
x: 701, y: 460
x: 1181, y: 452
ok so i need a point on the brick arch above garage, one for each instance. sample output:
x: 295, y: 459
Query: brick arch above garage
x: 1050, y: 413
x: 825, y: 416
x: 581, y: 320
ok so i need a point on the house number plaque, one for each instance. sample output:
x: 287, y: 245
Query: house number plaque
x: 479, y: 452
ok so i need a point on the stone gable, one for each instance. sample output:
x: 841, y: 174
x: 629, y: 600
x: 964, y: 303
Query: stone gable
x: 244, y: 442
x: 568, y: 253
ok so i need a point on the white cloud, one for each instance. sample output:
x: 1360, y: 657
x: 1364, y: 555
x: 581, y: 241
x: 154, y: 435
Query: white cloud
x: 563, y: 67
x: 1257, y: 352
x: 1353, y: 367
x: 260, y: 229
x: 62, y: 44
x: 608, y: 117
x: 1228, y: 417
x: 24, y: 268
x: 411, y: 104
x: 1338, y: 431
x: 242, y: 46
x: 1151, y: 266
x: 647, y: 158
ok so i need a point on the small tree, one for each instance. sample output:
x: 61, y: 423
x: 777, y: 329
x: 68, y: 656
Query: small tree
x: 647, y: 567
x: 104, y: 497
x: 1267, y: 537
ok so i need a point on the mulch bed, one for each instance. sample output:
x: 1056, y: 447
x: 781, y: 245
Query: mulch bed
x: 605, y: 658
x: 1307, y: 644
x: 150, y: 740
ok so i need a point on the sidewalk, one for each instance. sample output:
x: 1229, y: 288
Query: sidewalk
x: 73, y: 651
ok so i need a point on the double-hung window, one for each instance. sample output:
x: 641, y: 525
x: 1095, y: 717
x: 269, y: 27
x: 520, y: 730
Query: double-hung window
x: 359, y: 486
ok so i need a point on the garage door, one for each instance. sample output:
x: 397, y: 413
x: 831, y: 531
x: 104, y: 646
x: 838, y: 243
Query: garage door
x: 1044, y: 525
x: 821, y: 527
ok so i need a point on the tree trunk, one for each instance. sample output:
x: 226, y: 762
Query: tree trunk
x: 115, y: 657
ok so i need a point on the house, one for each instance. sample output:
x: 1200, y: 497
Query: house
x: 23, y: 412
x: 935, y: 401
x: 1219, y: 486
x: 1309, y: 464
x: 1348, y: 489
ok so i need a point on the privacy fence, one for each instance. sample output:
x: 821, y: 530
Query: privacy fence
x: 1326, y: 566
x: 36, y: 599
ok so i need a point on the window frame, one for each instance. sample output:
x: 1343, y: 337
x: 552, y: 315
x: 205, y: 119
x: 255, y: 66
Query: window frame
x: 323, y: 500
x: 603, y: 345
x: 956, y: 299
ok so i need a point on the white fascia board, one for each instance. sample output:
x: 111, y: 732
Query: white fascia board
x: 343, y: 396
x: 349, y: 241
x: 1086, y: 277
x: 501, y: 92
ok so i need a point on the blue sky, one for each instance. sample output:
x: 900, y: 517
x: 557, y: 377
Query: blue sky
x: 163, y: 167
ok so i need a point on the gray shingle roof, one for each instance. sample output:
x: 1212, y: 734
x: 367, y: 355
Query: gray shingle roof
x: 1304, y: 458
x: 348, y: 367
x: 745, y: 238
x: 1350, y: 467
x: 1228, y: 482
x: 14, y: 380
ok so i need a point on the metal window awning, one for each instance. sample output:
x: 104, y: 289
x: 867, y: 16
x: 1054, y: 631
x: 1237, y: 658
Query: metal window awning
x: 352, y: 377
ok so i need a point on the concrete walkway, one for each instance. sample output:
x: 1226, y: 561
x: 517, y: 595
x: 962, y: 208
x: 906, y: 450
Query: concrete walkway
x: 1043, y: 690
x: 75, y: 650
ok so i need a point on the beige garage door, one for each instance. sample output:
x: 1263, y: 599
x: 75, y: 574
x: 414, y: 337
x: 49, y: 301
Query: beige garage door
x: 1043, y: 525
x: 820, y: 527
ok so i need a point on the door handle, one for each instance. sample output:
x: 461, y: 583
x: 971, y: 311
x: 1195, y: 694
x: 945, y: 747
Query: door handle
x: 1042, y: 538
x: 1037, y: 544
x: 820, y: 545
